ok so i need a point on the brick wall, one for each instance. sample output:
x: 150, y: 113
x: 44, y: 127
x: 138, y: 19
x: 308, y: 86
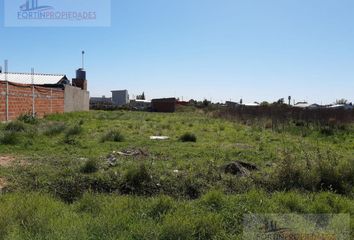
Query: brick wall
x: 47, y: 100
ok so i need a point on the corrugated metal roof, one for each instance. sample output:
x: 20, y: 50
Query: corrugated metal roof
x: 39, y: 79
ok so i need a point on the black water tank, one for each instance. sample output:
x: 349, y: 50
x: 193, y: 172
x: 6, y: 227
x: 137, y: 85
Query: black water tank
x: 81, y: 74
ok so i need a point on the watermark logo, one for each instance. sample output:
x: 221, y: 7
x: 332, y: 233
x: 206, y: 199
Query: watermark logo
x: 57, y: 13
x: 32, y: 5
x: 296, y: 227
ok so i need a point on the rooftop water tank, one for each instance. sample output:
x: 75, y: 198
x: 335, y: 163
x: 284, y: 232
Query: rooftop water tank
x: 81, y: 74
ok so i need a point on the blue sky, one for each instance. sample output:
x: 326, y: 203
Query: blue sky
x: 215, y: 49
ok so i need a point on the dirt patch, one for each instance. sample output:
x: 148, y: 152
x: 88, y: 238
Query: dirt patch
x: 243, y: 146
x: 6, y: 161
x: 3, y: 184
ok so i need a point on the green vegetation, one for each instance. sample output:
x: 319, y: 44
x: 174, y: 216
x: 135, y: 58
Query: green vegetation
x: 188, y: 137
x: 112, y: 136
x: 78, y: 177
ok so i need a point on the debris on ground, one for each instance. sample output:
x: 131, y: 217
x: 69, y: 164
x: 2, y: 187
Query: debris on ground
x: 240, y: 168
x: 112, y: 158
x: 159, y: 138
x: 133, y: 152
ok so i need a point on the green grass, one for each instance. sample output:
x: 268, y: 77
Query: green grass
x: 67, y: 188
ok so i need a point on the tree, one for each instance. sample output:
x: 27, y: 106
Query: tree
x: 342, y: 101
x: 280, y: 101
x: 141, y: 97
x: 206, y: 103
x: 264, y: 104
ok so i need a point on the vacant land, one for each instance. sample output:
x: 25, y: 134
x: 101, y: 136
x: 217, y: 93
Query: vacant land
x: 98, y: 175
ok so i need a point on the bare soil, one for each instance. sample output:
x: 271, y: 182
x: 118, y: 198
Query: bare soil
x: 3, y: 183
x: 6, y: 161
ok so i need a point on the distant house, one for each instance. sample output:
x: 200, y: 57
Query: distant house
x: 140, y: 104
x: 255, y: 104
x: 164, y: 105
x: 100, y: 101
x: 342, y: 106
x: 40, y: 94
x: 230, y: 104
x: 37, y: 78
x: 306, y: 105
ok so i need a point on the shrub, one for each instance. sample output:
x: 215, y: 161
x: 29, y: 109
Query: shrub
x: 89, y: 204
x: 10, y: 138
x: 323, y: 171
x: 327, y: 131
x: 208, y: 226
x: 160, y: 207
x: 69, y: 188
x: 75, y: 130
x: 70, y: 140
x: 138, y: 181
x: 15, y: 126
x: 55, y: 129
x: 91, y: 166
x: 192, y: 188
x: 188, y: 137
x: 28, y: 118
x: 177, y: 227
x: 213, y: 200
x: 112, y: 136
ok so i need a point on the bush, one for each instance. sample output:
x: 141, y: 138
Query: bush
x: 91, y: 166
x: 15, y: 126
x: 28, y: 118
x: 112, y: 136
x: 69, y: 188
x: 55, y: 129
x: 138, y: 181
x: 323, y: 171
x: 188, y: 137
x: 208, y: 226
x: 160, y: 207
x: 213, y: 200
x: 10, y: 138
x: 88, y: 204
x: 177, y: 227
x: 70, y: 140
x: 327, y: 131
x: 75, y: 130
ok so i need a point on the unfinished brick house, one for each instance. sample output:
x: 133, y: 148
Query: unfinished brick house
x: 42, y: 94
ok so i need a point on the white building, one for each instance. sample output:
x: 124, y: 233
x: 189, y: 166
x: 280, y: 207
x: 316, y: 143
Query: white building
x: 120, y: 97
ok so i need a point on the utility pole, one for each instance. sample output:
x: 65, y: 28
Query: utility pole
x: 83, y: 59
x: 33, y: 96
x: 7, y: 91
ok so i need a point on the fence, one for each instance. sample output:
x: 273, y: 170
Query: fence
x: 283, y: 114
x: 17, y: 99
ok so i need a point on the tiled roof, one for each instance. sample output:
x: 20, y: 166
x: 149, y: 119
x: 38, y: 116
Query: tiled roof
x: 38, y: 79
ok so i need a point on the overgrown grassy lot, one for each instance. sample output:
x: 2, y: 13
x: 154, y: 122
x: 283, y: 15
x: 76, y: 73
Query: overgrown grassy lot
x: 97, y: 175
